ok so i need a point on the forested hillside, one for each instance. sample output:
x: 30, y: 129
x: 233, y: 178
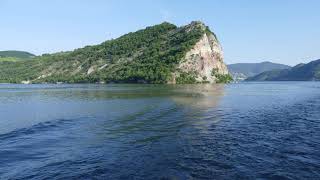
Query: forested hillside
x: 150, y: 55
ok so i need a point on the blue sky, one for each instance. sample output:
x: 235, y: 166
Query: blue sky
x: 283, y: 31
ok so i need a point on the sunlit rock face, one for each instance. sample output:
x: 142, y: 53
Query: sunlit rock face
x: 206, y: 56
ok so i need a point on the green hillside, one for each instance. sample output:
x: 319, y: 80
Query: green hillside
x: 148, y: 56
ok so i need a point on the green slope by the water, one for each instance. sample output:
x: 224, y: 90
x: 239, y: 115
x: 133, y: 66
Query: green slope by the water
x: 149, y: 55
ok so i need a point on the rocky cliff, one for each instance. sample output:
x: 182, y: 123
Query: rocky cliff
x: 205, y: 59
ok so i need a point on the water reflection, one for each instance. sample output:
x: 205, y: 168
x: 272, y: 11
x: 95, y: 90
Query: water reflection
x: 98, y: 92
x: 158, y: 111
x: 40, y: 103
x: 200, y: 96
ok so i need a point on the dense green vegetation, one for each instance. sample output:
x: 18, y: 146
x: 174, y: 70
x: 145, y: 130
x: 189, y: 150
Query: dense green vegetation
x: 186, y: 78
x: 146, y: 56
x: 300, y: 72
x: 224, y: 78
x: 221, y: 78
x: 163, y: 47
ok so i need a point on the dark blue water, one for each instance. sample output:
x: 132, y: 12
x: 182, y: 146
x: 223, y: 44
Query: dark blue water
x: 237, y: 131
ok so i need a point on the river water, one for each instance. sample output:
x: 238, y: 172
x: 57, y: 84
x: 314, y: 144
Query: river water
x: 261, y: 130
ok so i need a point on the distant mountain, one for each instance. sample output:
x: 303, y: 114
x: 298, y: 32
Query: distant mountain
x: 300, y: 72
x: 241, y: 71
x: 161, y: 53
x: 16, y: 54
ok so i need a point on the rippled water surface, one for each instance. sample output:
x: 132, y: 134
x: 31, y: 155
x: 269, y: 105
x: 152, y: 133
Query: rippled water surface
x: 237, y: 131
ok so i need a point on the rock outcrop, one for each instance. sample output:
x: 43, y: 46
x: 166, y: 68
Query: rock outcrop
x: 205, y: 59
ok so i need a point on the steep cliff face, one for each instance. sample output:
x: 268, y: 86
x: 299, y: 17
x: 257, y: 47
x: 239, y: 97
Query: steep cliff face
x: 205, y: 60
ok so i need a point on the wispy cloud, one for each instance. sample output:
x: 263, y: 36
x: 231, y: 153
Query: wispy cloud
x: 166, y: 15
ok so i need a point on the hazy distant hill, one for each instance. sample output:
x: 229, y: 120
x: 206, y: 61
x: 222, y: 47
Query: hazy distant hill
x: 241, y: 71
x: 13, y: 56
x: 300, y: 72
x: 162, y: 53
x: 16, y: 54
